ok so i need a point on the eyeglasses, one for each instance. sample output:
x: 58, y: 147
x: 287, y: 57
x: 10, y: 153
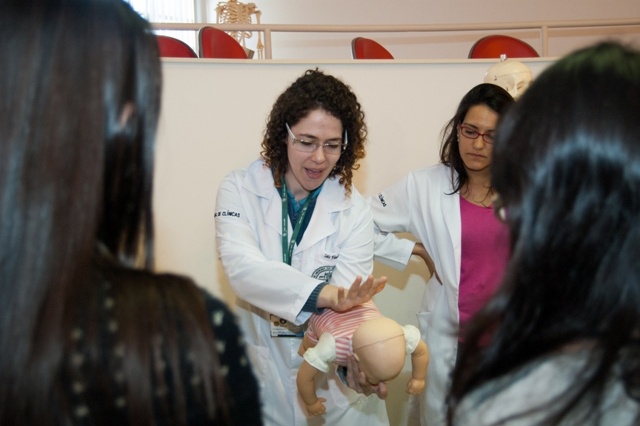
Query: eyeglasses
x: 330, y: 147
x: 471, y: 133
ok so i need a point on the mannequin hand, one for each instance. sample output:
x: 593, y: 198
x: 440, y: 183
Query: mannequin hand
x: 358, y: 293
x: 415, y: 387
x: 317, y: 408
x: 357, y: 380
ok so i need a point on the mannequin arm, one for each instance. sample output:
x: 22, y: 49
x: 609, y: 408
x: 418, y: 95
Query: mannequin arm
x: 304, y: 345
x: 419, y: 250
x: 419, y: 363
x: 307, y: 388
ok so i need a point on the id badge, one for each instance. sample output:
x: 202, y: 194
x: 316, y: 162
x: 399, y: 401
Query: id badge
x: 282, y: 328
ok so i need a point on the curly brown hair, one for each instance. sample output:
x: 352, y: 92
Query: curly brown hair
x: 312, y: 91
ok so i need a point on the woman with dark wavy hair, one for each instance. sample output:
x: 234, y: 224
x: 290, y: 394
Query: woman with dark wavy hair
x: 559, y: 344
x: 291, y: 230
x: 88, y: 333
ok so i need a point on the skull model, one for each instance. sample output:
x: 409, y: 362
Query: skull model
x: 513, y: 76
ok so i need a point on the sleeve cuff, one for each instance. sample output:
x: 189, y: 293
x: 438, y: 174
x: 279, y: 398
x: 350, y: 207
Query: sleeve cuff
x: 311, y: 305
x: 412, y: 337
x: 322, y: 354
x: 393, y: 251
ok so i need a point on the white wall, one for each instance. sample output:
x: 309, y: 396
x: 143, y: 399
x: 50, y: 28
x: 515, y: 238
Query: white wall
x: 438, y: 45
x: 212, y: 119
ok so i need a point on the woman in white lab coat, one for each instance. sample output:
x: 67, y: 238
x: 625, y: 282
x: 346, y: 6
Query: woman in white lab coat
x: 447, y: 207
x: 291, y: 231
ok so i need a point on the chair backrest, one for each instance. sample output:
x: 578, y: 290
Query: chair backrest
x: 173, y: 48
x: 365, y: 48
x: 494, y: 45
x: 215, y: 43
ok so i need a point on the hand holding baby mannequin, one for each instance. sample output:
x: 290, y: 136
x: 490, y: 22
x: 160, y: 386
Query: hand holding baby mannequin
x: 357, y: 380
x: 379, y: 348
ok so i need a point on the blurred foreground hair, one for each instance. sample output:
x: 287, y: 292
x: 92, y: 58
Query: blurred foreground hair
x: 79, y: 105
x: 567, y: 169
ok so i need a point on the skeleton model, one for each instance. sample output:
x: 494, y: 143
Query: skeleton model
x: 234, y: 12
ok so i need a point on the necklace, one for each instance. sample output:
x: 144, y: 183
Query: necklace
x: 486, y: 201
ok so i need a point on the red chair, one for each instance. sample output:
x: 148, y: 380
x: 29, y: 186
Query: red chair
x: 215, y: 43
x: 365, y: 48
x: 494, y: 45
x: 173, y: 48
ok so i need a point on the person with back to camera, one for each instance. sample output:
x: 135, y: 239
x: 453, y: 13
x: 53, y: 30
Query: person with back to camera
x: 88, y: 333
x: 290, y: 230
x: 448, y: 209
x: 379, y: 345
x: 559, y: 344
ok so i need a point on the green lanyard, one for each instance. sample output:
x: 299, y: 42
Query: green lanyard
x: 287, y: 246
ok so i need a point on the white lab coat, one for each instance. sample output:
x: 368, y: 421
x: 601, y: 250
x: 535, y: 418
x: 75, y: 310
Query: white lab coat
x: 337, y: 246
x: 423, y: 205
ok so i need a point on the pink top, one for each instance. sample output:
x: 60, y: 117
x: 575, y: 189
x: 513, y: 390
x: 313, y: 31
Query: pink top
x: 485, y: 251
x: 341, y: 325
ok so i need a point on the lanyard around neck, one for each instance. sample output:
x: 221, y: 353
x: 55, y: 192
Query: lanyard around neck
x: 287, y: 246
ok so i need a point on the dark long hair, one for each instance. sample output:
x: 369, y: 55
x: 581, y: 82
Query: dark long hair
x: 79, y: 106
x: 313, y: 91
x: 490, y: 95
x: 567, y: 167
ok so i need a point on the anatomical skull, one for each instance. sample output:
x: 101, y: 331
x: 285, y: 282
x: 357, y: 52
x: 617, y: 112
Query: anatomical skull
x: 513, y: 76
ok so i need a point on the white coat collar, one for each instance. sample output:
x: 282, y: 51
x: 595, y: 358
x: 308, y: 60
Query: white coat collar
x: 332, y: 198
x: 452, y: 203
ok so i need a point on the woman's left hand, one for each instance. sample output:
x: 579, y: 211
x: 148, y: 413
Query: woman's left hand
x: 340, y: 300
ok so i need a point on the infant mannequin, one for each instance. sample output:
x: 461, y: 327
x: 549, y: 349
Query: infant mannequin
x: 379, y: 345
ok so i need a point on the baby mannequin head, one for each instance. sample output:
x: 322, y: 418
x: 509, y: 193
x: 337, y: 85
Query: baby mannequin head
x: 380, y: 349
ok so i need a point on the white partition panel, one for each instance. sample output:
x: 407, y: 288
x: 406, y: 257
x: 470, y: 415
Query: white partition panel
x: 213, y: 115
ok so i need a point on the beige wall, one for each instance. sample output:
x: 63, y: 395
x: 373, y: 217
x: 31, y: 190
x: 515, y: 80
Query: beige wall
x: 438, y: 45
x: 212, y: 120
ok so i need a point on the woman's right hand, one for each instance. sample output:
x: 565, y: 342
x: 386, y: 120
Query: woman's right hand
x: 340, y: 300
x: 421, y: 251
x: 357, y: 380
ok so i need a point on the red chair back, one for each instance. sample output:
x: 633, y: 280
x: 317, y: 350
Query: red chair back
x: 173, y: 48
x: 494, y: 45
x: 215, y: 43
x: 365, y: 48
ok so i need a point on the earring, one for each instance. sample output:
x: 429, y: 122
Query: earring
x: 502, y: 214
x: 498, y: 207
